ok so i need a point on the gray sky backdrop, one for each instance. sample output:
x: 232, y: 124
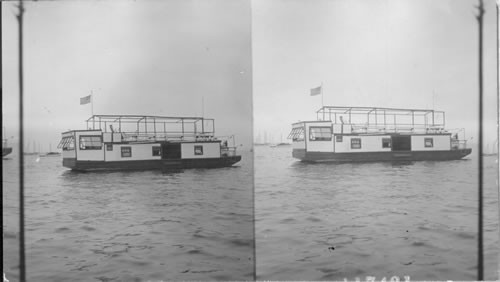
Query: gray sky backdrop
x: 381, y: 53
x: 138, y: 57
x: 161, y: 57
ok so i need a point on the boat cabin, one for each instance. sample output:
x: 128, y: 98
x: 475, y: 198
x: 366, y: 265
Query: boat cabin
x: 372, y: 134
x: 143, y: 142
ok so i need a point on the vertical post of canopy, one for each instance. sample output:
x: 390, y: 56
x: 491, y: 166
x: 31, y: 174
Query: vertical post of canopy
x: 384, y: 120
x: 154, y: 127
x: 182, y: 122
x: 195, y: 130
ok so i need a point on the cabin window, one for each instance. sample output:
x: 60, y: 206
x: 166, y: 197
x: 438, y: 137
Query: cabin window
x: 67, y: 143
x: 109, y: 147
x: 90, y: 142
x: 386, y: 142
x: 297, y: 134
x: 338, y: 138
x: 429, y: 142
x: 126, y: 152
x: 320, y: 133
x: 198, y: 150
x: 156, y: 151
x: 356, y: 143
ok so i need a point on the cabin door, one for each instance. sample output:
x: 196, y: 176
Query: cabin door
x: 401, y: 143
x: 171, y: 151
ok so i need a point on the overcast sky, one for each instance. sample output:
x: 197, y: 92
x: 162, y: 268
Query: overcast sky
x: 381, y: 53
x: 138, y: 57
x: 162, y: 57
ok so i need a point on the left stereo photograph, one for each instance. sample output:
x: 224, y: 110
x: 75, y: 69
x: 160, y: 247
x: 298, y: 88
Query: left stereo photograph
x: 127, y: 136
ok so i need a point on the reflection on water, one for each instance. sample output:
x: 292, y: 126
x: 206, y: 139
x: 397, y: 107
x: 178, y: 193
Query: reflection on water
x: 327, y: 221
x: 138, y: 225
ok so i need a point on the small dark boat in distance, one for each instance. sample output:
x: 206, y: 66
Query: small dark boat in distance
x: 284, y: 144
x: 132, y: 142
x: 5, y: 148
x: 362, y: 134
x: 51, y: 154
x: 6, y: 151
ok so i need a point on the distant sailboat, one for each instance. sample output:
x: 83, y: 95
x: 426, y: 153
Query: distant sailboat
x: 5, y: 148
x: 32, y: 152
x: 491, y: 151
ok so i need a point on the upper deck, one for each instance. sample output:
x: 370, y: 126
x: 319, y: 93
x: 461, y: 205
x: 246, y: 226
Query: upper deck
x: 154, y: 128
x: 384, y: 120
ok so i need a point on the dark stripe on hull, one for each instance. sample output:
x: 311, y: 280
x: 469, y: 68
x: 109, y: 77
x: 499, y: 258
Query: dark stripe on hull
x: 380, y: 156
x: 150, y: 164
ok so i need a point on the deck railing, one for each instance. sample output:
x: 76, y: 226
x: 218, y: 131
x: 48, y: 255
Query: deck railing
x: 401, y: 128
x: 165, y: 136
x: 373, y: 119
x: 458, y: 144
x: 228, y: 151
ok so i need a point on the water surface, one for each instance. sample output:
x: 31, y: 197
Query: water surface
x: 132, y: 226
x: 331, y: 221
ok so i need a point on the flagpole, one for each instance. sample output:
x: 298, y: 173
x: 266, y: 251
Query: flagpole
x: 322, y: 104
x: 202, y: 115
x: 92, y: 102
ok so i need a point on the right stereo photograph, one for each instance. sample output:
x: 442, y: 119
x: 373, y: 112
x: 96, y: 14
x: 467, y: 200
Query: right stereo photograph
x: 367, y: 131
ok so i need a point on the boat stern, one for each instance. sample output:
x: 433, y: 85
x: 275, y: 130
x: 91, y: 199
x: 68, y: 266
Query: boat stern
x: 464, y: 152
x: 231, y: 160
x: 69, y: 163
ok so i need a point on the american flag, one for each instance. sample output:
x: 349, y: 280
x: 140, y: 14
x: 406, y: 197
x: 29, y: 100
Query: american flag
x: 316, y: 91
x: 85, y: 100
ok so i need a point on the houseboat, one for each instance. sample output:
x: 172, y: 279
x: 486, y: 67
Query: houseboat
x: 362, y: 134
x: 129, y: 142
